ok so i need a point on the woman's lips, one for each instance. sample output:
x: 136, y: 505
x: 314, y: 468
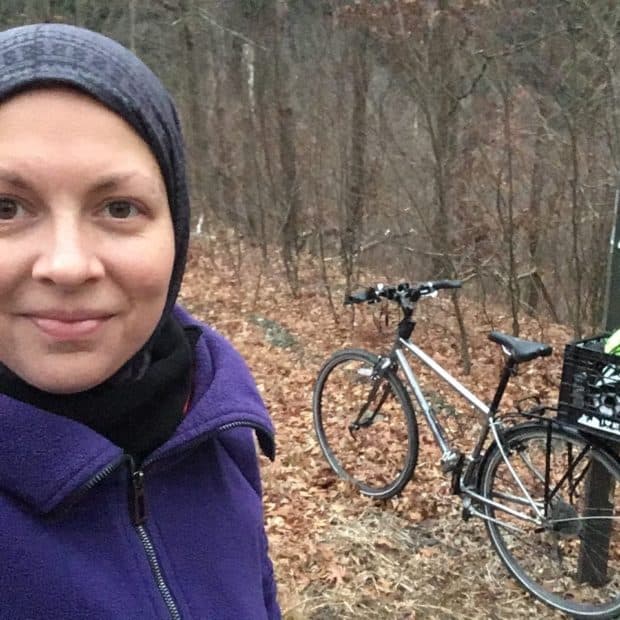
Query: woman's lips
x: 68, y: 329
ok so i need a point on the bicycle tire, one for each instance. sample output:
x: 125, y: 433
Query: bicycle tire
x: 559, y: 558
x: 380, y: 457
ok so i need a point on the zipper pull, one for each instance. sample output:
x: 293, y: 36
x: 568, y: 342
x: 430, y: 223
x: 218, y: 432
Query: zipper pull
x: 137, y: 503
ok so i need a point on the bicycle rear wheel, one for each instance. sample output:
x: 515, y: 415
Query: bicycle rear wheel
x: 565, y: 545
x: 365, y: 423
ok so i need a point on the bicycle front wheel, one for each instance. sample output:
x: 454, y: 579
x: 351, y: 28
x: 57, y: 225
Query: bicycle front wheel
x: 556, y: 522
x: 365, y: 423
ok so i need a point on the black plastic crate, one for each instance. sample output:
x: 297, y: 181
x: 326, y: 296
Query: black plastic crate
x: 590, y: 388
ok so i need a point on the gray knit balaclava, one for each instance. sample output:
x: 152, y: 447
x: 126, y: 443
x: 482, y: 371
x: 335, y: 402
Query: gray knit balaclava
x: 59, y: 54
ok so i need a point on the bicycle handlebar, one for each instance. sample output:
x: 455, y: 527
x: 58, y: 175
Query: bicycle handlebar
x: 439, y: 284
x: 403, y: 293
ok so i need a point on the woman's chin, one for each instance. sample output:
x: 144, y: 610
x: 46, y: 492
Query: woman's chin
x: 67, y: 380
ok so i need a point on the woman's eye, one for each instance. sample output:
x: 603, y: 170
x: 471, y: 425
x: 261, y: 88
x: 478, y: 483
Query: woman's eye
x: 10, y: 209
x: 121, y: 209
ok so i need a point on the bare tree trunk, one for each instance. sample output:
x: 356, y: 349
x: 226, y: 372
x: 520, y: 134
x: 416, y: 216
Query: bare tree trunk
x: 575, y: 215
x: 196, y: 71
x: 251, y: 182
x: 261, y: 124
x: 227, y: 181
x: 292, y: 197
x: 597, y: 281
x: 287, y: 149
x: 132, y: 25
x: 509, y: 227
x: 464, y: 339
x: 533, y: 223
x: 355, y: 196
x: 442, y: 65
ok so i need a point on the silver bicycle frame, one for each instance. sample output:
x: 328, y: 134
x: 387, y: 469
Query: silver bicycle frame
x: 427, y: 410
x: 447, y: 452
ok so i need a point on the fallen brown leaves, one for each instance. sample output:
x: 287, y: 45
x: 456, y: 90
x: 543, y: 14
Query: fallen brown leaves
x: 337, y: 554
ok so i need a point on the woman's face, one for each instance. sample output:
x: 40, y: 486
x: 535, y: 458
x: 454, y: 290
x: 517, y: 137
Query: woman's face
x: 86, y: 240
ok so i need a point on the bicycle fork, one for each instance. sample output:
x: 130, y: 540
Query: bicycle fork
x: 367, y: 414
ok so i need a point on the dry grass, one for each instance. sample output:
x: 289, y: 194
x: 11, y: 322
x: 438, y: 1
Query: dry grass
x: 436, y: 569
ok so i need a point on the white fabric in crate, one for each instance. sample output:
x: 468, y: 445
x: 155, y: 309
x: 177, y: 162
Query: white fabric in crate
x: 605, y: 398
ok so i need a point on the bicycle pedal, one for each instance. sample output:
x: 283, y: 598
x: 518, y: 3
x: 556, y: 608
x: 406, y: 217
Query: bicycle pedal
x: 466, y: 513
x: 451, y: 461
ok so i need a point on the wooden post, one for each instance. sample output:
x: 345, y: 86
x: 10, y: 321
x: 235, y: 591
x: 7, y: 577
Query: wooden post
x: 600, y: 487
x: 612, y: 300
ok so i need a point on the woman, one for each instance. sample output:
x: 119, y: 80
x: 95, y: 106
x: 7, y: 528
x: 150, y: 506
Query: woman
x: 129, y: 484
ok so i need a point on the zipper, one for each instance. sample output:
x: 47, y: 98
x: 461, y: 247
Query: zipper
x: 95, y: 480
x: 237, y: 423
x: 104, y: 473
x: 204, y: 436
x: 137, y: 500
x: 137, y: 504
x: 162, y: 586
x: 137, y: 509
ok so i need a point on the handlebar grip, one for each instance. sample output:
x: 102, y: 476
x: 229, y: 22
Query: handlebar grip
x: 439, y: 284
x: 360, y: 297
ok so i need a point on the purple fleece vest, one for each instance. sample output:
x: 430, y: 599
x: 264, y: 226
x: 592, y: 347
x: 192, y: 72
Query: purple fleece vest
x: 81, y: 537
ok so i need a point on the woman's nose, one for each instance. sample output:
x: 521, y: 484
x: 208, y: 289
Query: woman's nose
x: 67, y: 256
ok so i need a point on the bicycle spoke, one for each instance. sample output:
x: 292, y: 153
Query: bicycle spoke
x: 365, y: 424
x: 548, y: 558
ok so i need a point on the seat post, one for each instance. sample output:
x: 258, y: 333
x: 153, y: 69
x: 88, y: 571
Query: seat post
x: 508, y: 371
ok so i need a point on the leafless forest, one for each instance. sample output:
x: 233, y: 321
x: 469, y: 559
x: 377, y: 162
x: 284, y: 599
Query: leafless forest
x: 408, y: 139
x: 477, y: 139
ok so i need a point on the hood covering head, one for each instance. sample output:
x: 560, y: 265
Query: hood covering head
x: 42, y: 55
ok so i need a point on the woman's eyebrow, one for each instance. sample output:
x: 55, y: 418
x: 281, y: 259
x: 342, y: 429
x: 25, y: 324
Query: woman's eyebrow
x: 106, y: 183
x: 133, y: 180
x: 112, y: 181
x: 15, y: 179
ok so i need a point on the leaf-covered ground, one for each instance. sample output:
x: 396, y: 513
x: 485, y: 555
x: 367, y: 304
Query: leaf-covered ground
x: 337, y: 554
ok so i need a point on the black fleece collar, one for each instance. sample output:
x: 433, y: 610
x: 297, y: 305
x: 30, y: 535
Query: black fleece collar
x: 137, y: 416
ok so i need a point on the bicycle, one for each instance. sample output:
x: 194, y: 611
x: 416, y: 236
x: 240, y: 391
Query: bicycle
x: 527, y: 480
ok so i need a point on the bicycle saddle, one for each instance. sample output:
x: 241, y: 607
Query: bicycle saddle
x: 521, y: 350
